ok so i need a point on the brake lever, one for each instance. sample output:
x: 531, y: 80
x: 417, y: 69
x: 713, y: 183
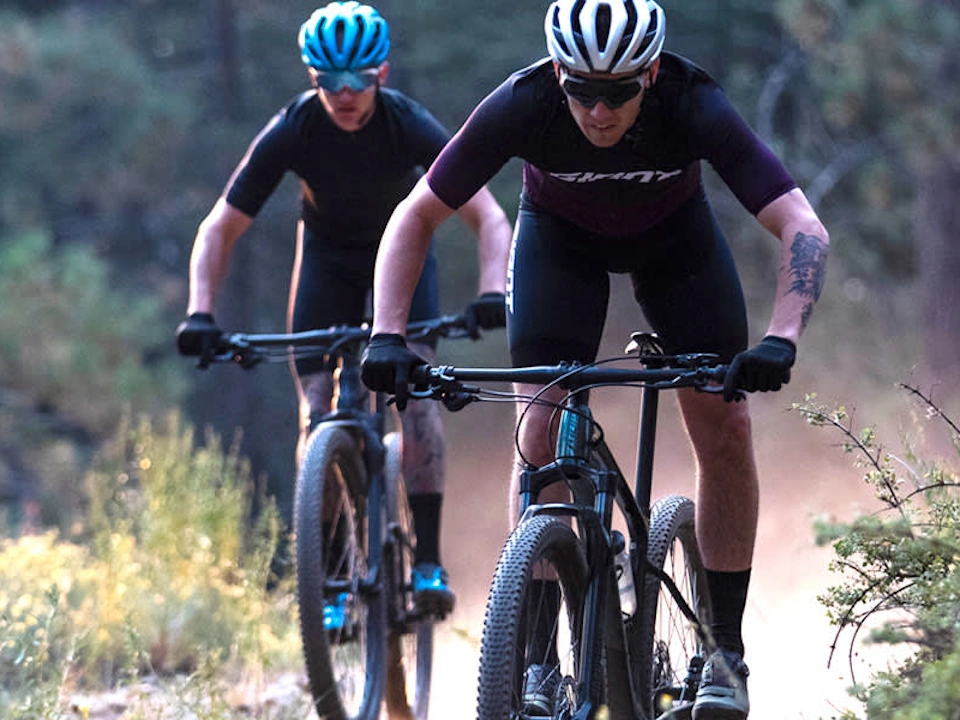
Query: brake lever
x: 452, y: 399
x: 247, y: 360
x: 457, y: 400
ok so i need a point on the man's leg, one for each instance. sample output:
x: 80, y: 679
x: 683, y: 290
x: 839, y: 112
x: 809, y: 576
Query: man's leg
x: 537, y: 444
x: 726, y: 522
x: 423, y: 472
x: 315, y: 395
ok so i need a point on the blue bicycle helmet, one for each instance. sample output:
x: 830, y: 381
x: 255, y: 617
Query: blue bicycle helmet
x: 344, y: 36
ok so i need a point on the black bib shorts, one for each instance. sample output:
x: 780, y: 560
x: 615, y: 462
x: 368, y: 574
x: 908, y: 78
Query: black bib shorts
x: 683, y: 275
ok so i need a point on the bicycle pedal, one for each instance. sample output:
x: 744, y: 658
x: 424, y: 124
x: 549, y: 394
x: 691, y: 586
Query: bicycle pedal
x: 432, y: 609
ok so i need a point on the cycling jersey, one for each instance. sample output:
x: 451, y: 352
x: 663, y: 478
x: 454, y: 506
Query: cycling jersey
x: 637, y: 207
x: 622, y: 190
x: 350, y: 181
x: 350, y: 184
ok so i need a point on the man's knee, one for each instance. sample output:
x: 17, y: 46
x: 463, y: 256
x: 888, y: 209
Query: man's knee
x: 715, y: 425
x: 316, y: 396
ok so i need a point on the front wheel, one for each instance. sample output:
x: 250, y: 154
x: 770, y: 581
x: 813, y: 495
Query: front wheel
x: 409, y: 637
x: 672, y: 644
x: 531, y: 638
x: 342, y: 615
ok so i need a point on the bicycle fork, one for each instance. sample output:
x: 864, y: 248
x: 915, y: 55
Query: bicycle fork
x: 593, y: 489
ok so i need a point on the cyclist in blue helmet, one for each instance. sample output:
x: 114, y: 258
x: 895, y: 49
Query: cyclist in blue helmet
x: 357, y: 148
x: 613, y: 131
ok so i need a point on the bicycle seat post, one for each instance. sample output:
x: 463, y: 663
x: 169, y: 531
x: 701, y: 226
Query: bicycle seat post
x: 649, y: 404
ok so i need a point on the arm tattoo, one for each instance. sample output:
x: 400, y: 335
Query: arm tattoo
x: 808, y: 258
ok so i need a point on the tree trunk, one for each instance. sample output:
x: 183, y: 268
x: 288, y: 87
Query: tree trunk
x: 938, y: 248
x: 228, y: 66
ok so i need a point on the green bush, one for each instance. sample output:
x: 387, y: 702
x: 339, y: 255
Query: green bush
x: 71, y: 366
x: 900, y: 572
x: 169, y: 577
x: 81, y: 350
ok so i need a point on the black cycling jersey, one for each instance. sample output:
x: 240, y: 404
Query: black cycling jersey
x: 351, y: 181
x: 637, y: 207
x: 622, y: 190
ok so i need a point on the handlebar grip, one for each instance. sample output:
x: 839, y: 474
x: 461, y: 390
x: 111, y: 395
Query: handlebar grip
x: 421, y: 375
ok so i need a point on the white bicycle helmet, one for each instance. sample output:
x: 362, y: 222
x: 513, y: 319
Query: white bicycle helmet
x: 605, y: 36
x: 344, y: 36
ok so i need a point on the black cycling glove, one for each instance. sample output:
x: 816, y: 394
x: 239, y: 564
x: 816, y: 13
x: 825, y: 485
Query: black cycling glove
x: 386, y: 363
x: 764, y: 367
x: 487, y: 312
x: 198, y: 335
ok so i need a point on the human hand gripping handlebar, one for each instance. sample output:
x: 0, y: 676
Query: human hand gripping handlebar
x: 250, y: 349
x: 763, y: 368
x: 456, y: 387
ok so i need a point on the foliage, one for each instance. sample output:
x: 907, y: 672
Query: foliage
x: 882, y: 69
x: 58, y: 75
x: 74, y: 353
x: 915, y: 44
x: 168, y: 578
x: 900, y: 572
x: 82, y: 349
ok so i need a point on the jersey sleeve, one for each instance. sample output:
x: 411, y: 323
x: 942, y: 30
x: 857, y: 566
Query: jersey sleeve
x: 481, y: 147
x: 722, y: 137
x: 426, y: 136
x: 262, y: 168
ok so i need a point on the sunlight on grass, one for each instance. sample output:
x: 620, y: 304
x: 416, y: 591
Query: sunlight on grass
x: 166, y: 585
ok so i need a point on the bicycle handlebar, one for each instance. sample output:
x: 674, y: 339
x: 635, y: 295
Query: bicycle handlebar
x: 452, y: 385
x: 248, y: 349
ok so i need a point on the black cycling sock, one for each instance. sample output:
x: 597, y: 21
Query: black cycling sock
x: 425, y: 508
x: 544, y: 614
x: 728, y: 596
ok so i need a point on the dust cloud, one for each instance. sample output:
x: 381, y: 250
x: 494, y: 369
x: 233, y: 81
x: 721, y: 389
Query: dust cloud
x: 787, y: 635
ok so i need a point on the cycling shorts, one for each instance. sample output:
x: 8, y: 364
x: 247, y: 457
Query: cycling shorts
x: 683, y: 274
x: 334, y: 287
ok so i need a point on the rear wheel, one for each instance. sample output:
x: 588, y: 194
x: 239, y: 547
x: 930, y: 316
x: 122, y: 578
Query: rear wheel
x: 342, y: 615
x: 543, y: 547
x: 671, y: 648
x: 409, y: 638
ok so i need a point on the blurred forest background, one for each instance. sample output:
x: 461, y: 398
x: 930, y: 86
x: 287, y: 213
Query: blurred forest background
x: 121, y: 120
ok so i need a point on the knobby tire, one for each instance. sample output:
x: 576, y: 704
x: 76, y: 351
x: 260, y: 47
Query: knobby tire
x: 540, y: 542
x: 344, y: 668
x: 667, y: 641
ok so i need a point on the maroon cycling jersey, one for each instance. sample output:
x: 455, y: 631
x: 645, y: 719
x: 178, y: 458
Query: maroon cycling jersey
x: 351, y: 181
x: 624, y: 189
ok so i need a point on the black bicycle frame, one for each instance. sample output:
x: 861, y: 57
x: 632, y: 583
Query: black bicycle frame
x: 586, y: 465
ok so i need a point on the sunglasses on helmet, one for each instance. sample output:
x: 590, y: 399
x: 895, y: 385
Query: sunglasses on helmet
x: 589, y: 91
x: 334, y: 81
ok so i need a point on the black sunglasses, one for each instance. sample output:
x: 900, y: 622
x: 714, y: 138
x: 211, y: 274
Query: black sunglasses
x: 612, y: 93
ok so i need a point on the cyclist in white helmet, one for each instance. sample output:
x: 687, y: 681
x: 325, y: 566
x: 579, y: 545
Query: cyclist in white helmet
x: 357, y: 148
x: 612, y: 131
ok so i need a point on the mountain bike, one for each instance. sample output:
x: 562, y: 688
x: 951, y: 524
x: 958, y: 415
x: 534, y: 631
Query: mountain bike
x: 638, y: 656
x: 364, y: 643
